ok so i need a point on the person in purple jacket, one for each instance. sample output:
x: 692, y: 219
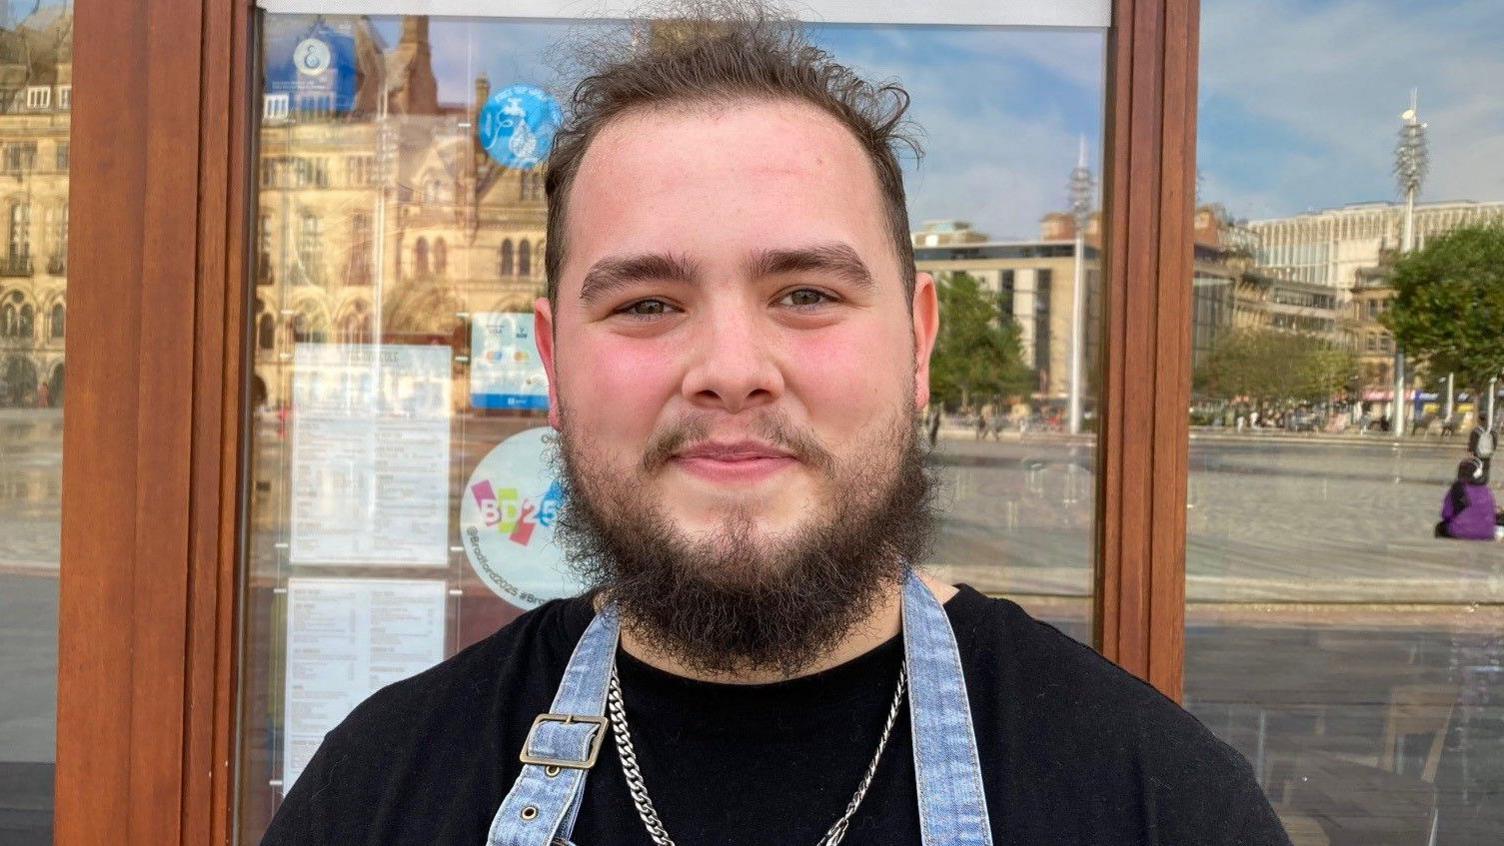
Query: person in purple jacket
x: 1468, y: 512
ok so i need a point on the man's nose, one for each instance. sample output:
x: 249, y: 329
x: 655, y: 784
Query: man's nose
x: 734, y: 362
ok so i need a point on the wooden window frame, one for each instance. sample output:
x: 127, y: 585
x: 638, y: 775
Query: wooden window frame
x: 159, y: 362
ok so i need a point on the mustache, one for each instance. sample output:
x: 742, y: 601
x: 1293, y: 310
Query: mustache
x: 775, y: 427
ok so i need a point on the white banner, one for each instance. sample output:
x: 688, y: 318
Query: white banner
x: 1095, y: 14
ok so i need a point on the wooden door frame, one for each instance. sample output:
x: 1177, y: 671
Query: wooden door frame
x: 1144, y: 437
x: 155, y: 427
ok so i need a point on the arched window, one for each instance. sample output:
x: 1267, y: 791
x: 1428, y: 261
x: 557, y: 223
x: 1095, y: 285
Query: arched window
x: 57, y: 320
x: 358, y: 264
x: 8, y: 321
x: 420, y: 257
x: 266, y: 332
x: 18, y: 255
x: 524, y: 259
x: 355, y: 327
x: 506, y: 257
x: 311, y: 248
x: 309, y: 327
x: 28, y: 321
x: 440, y: 257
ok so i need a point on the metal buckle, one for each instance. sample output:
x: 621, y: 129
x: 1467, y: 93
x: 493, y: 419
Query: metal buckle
x: 566, y: 719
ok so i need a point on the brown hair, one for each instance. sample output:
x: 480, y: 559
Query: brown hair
x: 717, y: 52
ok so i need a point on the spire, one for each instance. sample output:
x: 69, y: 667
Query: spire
x: 415, y: 29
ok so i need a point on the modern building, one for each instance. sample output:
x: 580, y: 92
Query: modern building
x: 1034, y: 281
x: 1329, y: 247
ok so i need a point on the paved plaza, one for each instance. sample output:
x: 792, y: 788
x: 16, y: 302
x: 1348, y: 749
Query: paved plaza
x: 1318, y: 601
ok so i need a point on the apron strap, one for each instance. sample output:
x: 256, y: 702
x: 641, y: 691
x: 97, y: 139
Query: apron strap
x: 545, y: 800
x: 562, y: 746
x: 952, y: 804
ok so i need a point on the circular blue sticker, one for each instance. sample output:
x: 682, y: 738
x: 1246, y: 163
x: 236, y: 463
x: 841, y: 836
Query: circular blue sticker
x: 517, y: 125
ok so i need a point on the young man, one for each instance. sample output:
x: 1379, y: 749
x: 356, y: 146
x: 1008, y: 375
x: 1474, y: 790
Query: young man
x: 738, y: 345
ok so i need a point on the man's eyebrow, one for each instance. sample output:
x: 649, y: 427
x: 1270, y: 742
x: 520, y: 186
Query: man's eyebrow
x: 615, y: 272
x: 834, y: 258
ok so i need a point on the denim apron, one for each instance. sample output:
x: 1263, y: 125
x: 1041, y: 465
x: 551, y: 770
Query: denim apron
x: 541, y: 808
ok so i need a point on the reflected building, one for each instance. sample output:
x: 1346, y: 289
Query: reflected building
x: 380, y: 214
x: 1348, y: 252
x: 36, y: 93
x: 1033, y: 281
x: 1329, y: 247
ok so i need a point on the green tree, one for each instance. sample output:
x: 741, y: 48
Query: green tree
x: 1267, y: 366
x: 978, y: 351
x: 1448, y: 307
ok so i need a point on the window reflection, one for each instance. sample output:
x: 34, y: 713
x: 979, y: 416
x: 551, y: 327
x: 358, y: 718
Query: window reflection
x: 36, y: 70
x: 1353, y: 656
x: 385, y: 226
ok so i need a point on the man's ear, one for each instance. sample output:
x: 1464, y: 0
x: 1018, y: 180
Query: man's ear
x: 543, y: 336
x: 926, y: 313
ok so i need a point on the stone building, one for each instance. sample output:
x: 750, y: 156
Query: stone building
x: 36, y: 89
x: 381, y: 216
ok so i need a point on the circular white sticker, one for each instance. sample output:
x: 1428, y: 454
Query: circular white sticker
x: 312, y: 56
x: 507, y: 523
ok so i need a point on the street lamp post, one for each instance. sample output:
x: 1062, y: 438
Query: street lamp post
x: 1080, y: 198
x: 1410, y: 164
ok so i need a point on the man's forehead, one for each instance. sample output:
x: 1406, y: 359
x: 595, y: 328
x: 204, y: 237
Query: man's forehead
x: 751, y: 173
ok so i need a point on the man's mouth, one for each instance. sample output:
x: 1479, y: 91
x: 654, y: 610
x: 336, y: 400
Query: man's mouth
x: 733, y: 461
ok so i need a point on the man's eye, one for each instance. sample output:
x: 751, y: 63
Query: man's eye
x: 805, y: 297
x: 646, y: 308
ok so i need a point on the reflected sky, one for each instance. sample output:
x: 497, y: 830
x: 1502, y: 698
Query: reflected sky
x: 1300, y: 100
x: 1000, y: 110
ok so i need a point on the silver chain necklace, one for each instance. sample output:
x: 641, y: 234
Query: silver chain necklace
x: 649, y: 814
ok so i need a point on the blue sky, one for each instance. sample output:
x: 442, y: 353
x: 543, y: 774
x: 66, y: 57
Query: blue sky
x: 999, y: 110
x: 1299, y: 101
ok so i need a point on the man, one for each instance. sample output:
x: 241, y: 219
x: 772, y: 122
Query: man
x: 737, y: 346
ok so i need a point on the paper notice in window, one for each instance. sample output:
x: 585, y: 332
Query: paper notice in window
x: 370, y: 455
x: 346, y: 639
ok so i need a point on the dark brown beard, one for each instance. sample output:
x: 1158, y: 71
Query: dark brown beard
x: 737, y: 602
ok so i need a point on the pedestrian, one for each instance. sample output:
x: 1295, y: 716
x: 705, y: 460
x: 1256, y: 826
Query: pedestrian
x: 1468, y: 511
x: 750, y: 508
x: 934, y: 423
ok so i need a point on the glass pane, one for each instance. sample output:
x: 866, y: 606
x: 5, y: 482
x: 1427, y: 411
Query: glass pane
x: 1350, y: 653
x: 399, y: 476
x: 36, y: 62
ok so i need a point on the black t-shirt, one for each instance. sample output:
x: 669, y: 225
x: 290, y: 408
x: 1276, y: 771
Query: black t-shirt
x: 1073, y: 749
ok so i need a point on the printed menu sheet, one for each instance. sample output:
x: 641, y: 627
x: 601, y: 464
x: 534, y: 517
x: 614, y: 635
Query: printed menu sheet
x: 370, y: 455
x: 346, y: 639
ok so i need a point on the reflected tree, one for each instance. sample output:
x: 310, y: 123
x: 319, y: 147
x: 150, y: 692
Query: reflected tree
x: 1448, y: 306
x: 978, y: 352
